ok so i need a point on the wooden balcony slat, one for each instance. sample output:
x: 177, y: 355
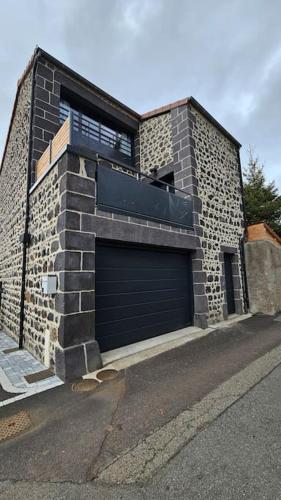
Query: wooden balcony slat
x: 61, y: 139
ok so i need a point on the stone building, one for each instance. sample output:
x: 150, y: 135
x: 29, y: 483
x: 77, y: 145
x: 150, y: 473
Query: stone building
x: 114, y: 226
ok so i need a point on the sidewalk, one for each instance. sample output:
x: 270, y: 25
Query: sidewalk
x: 75, y: 436
x: 21, y: 375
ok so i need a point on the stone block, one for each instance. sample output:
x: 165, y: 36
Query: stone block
x: 71, y: 281
x: 200, y: 304
x: 88, y: 261
x: 93, y: 356
x: 90, y: 168
x: 199, y: 276
x: 88, y: 223
x: 42, y: 94
x: 45, y: 72
x: 77, y: 184
x: 77, y: 328
x: 69, y: 261
x: 87, y: 301
x: 68, y: 220
x: 67, y: 303
x: 75, y: 240
x: 201, y: 321
x: 70, y: 363
x: 77, y: 202
x: 199, y: 289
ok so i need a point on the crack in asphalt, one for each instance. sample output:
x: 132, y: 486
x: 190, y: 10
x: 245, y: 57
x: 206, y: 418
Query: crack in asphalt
x: 94, y: 468
x: 137, y: 464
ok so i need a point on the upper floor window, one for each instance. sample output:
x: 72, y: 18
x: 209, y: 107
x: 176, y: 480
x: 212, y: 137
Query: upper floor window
x: 96, y: 130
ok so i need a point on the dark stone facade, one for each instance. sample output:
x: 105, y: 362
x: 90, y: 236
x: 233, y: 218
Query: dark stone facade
x: 206, y: 165
x: 65, y: 221
x: 12, y: 210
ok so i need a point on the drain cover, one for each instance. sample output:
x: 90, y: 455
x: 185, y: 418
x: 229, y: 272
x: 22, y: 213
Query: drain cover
x: 107, y: 375
x: 11, y: 426
x: 85, y: 385
x: 8, y: 351
x: 37, y: 376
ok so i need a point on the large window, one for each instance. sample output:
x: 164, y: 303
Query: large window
x: 96, y: 130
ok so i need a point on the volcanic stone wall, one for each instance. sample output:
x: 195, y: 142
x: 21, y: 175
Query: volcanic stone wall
x: 41, y: 319
x: 12, y: 210
x: 155, y: 142
x: 221, y: 219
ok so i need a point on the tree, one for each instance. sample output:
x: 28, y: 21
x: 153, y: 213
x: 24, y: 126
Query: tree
x: 262, y: 199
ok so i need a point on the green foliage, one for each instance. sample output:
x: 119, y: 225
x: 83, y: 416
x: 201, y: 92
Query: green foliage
x: 262, y: 199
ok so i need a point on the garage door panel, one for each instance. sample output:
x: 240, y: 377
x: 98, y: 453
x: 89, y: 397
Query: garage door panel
x: 145, y: 273
x: 138, y: 334
x: 129, y: 324
x: 122, y: 257
x: 141, y: 292
x: 141, y: 285
x: 116, y: 313
x: 117, y: 299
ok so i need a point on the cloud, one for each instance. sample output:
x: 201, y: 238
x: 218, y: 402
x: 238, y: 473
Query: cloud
x: 150, y: 52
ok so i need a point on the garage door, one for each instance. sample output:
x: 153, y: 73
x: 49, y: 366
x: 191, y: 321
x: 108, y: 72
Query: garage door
x: 141, y: 292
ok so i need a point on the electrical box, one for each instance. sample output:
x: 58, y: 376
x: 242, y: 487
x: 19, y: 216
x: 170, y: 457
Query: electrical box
x: 49, y: 284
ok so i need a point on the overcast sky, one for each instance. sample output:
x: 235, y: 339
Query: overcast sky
x: 146, y: 53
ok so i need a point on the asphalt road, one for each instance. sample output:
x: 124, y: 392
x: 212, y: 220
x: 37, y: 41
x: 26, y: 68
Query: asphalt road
x: 237, y: 456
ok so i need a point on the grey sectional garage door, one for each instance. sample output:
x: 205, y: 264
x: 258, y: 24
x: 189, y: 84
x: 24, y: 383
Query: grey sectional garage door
x: 141, y: 292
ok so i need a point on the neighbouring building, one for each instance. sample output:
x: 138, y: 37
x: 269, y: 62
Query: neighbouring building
x: 263, y: 259
x: 114, y: 226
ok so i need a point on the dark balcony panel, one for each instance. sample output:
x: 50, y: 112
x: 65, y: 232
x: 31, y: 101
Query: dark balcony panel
x: 83, y: 140
x: 125, y: 194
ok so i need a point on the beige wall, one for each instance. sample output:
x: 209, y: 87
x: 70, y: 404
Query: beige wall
x: 155, y: 139
x: 221, y: 219
x: 263, y: 265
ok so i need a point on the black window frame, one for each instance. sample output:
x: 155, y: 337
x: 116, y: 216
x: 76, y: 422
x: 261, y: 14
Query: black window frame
x: 107, y: 133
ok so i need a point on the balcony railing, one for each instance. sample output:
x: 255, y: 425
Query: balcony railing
x: 85, y: 133
x: 124, y: 190
x: 135, y: 195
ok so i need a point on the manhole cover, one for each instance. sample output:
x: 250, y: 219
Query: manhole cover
x: 107, y: 375
x: 85, y: 385
x: 11, y: 426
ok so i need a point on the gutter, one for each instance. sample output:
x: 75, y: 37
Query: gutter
x: 25, y: 238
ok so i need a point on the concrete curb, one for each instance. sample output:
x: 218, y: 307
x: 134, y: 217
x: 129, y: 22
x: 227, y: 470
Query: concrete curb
x: 138, y: 464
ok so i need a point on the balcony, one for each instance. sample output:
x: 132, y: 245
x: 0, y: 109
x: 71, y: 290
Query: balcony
x: 121, y: 189
x: 79, y: 130
x: 136, y: 196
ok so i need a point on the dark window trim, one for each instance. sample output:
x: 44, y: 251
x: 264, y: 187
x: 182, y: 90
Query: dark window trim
x: 101, y: 136
x: 70, y: 87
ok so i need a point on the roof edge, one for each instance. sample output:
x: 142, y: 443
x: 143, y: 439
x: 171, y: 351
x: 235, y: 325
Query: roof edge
x: 164, y: 109
x: 87, y: 82
x: 210, y: 117
x: 19, y: 85
x: 190, y: 100
x: 268, y: 229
